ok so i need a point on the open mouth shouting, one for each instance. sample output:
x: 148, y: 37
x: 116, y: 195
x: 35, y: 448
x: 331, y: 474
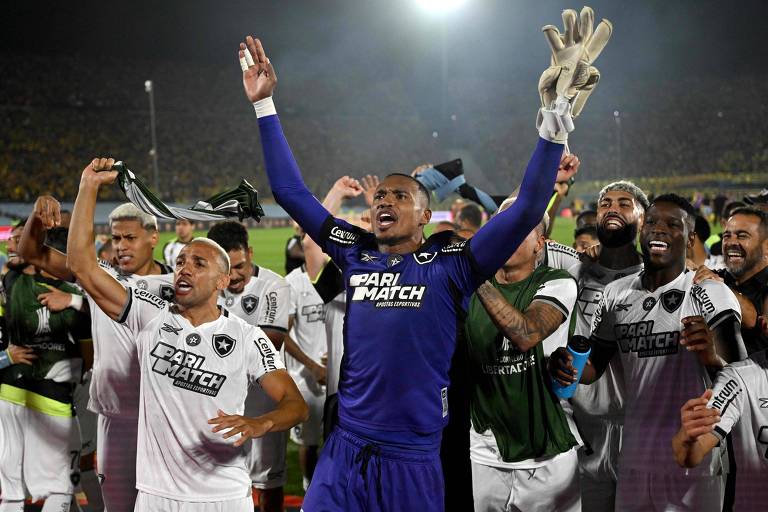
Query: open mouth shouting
x: 183, y: 286
x: 385, y: 218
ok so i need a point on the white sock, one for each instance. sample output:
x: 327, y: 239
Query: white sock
x: 57, y: 503
x: 89, y: 481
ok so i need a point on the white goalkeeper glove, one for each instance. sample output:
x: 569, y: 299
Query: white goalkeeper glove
x: 569, y: 80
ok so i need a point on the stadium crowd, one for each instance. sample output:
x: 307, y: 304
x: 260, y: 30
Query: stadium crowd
x: 485, y: 367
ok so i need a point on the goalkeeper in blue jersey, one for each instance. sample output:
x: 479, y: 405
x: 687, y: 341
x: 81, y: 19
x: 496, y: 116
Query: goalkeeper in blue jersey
x: 403, y: 300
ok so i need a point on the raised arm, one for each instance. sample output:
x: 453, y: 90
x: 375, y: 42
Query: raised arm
x: 290, y: 192
x: 108, y: 294
x: 46, y: 214
x: 499, y: 238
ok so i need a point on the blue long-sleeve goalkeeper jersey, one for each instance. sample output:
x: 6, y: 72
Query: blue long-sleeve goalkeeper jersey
x: 403, y: 310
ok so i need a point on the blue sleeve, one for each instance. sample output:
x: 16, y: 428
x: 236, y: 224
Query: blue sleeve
x: 499, y: 238
x: 285, y: 179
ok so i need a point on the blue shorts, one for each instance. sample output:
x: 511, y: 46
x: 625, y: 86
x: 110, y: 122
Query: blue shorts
x: 354, y: 474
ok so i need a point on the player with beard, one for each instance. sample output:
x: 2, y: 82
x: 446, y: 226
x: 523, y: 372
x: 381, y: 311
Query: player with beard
x: 261, y: 298
x: 403, y: 296
x: 114, y: 390
x: 670, y: 333
x: 745, y: 251
x: 197, y: 362
x: 599, y: 408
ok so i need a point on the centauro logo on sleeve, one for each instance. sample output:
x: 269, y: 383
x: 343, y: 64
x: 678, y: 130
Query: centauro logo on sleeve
x: 186, y: 370
x: 343, y: 236
x: 149, y: 298
x: 726, y: 395
x: 640, y: 338
x: 385, y: 291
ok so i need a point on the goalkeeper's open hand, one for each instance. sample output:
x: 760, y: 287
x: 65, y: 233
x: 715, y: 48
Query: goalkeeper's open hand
x: 259, y: 77
x: 569, y: 80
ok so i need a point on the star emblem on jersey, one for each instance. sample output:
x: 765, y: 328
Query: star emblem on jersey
x: 194, y: 339
x: 672, y: 300
x: 649, y: 303
x: 166, y: 292
x: 367, y: 257
x: 393, y: 259
x: 422, y: 258
x: 229, y: 301
x: 223, y: 345
x: 249, y: 303
x: 141, y: 284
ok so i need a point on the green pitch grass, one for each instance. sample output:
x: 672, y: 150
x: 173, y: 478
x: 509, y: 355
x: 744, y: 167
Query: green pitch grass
x: 269, y: 251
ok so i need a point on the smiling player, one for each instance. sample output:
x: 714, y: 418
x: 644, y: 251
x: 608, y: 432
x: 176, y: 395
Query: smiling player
x: 669, y: 333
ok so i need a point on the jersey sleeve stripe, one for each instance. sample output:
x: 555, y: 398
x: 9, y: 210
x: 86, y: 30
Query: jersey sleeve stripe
x: 722, y: 316
x: 272, y: 327
x: 552, y: 301
x: 123, y: 316
x: 719, y: 433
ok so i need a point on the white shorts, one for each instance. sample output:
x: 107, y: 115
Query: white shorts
x: 552, y: 487
x: 116, y: 461
x: 37, y: 451
x: 599, y: 462
x: 310, y: 433
x: 88, y: 420
x: 265, y: 456
x: 150, y: 503
x: 638, y: 491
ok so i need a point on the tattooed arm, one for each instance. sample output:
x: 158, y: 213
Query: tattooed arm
x: 525, y: 329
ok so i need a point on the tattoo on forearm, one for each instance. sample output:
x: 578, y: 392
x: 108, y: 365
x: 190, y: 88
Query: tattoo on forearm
x: 523, y: 329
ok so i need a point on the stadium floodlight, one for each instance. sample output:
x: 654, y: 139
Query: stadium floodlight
x: 439, y: 6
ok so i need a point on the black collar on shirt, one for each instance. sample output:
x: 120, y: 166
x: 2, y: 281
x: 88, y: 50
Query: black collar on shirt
x: 755, y: 288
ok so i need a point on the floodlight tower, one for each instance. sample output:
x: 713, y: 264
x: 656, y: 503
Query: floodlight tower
x: 150, y: 90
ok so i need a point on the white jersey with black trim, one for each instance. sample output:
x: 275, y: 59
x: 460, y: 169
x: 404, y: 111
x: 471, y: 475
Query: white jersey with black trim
x: 740, y: 393
x: 114, y: 389
x: 264, y: 301
x: 308, y: 311
x: 189, y: 373
x: 557, y: 255
x: 659, y: 374
x: 171, y: 251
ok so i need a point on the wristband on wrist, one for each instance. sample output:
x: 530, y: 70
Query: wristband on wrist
x: 265, y: 107
x: 76, y: 301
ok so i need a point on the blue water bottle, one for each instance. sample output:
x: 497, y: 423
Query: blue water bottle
x: 580, y: 349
